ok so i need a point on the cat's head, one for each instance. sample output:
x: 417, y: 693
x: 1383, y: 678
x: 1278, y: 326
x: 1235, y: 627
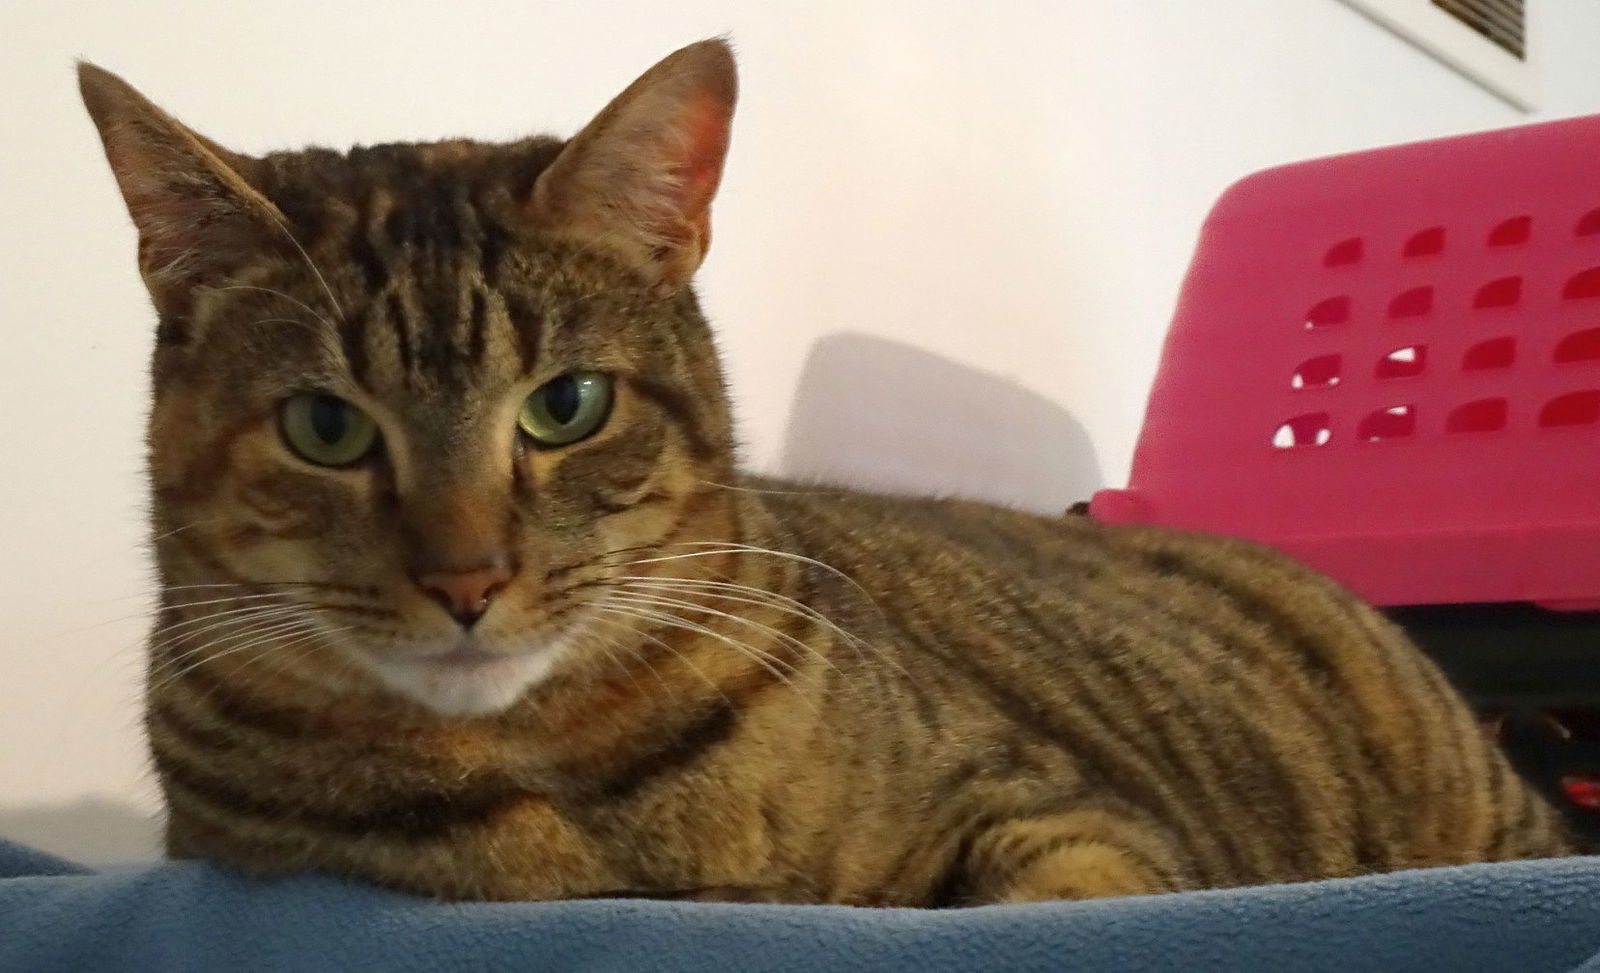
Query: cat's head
x: 408, y: 399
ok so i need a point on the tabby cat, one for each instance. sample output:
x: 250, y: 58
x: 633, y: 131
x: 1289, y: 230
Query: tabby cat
x: 463, y: 594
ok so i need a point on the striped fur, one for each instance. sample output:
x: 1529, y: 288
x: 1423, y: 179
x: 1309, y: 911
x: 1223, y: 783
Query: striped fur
x: 746, y: 689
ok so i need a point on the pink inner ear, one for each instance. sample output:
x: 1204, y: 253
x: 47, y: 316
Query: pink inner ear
x: 181, y: 210
x: 171, y: 227
x: 704, y: 128
x: 183, y: 238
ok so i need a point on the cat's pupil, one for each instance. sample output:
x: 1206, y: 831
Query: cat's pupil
x: 329, y: 418
x: 561, y: 399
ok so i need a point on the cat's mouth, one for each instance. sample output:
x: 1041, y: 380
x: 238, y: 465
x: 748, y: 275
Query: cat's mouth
x: 466, y: 678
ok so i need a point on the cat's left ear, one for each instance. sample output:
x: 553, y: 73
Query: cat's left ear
x: 639, y: 179
x: 191, y: 199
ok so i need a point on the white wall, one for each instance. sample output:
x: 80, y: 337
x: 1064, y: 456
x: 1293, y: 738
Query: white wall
x: 965, y: 220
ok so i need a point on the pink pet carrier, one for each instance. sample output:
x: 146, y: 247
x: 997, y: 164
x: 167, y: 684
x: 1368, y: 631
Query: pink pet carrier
x: 1387, y: 364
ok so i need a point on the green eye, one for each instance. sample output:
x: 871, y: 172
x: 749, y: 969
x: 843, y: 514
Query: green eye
x: 566, y: 408
x: 327, y: 430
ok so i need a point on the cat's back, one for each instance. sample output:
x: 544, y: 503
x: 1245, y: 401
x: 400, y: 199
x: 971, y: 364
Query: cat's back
x: 1283, y: 728
x: 1069, y: 555
x: 1149, y: 591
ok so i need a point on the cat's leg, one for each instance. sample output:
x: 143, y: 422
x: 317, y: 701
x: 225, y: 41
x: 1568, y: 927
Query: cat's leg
x: 1082, y: 854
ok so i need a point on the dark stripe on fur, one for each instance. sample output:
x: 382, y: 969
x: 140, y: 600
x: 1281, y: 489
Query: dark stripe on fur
x: 528, y: 325
x: 675, y: 753
x: 417, y: 817
x: 478, y: 329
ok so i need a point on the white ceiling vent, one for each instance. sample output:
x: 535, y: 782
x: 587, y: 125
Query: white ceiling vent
x: 1485, y: 40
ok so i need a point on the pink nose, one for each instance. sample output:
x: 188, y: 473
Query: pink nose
x: 465, y: 594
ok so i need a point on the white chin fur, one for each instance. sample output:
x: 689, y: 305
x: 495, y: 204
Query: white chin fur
x: 481, y: 689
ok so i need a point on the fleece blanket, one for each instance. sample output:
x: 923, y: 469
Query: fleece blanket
x: 1525, y: 917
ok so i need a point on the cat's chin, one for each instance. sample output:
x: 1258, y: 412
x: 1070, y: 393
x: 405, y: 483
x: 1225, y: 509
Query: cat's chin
x: 465, y: 681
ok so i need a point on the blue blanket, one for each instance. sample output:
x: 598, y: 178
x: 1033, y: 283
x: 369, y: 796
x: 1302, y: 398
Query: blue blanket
x: 1525, y: 917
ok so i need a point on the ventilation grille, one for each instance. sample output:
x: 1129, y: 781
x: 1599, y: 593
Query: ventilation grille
x: 1485, y: 40
x: 1503, y: 22
x: 1376, y: 343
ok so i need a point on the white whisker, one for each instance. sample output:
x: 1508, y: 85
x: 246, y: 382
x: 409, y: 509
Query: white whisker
x: 611, y: 648
x: 334, y: 301
x: 252, y: 628
x: 154, y: 611
x: 724, y: 547
x: 255, y: 636
x: 639, y: 597
x: 755, y: 596
x: 670, y: 648
x: 200, y: 617
x: 772, y: 599
x: 747, y: 489
x: 307, y: 643
x: 252, y: 615
x: 763, y: 659
x: 288, y: 297
x: 178, y: 530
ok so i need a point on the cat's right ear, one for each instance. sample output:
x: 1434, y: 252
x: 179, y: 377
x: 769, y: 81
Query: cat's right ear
x: 198, y: 216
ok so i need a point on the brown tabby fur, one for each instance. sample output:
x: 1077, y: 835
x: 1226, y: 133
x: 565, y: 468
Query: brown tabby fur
x: 911, y: 702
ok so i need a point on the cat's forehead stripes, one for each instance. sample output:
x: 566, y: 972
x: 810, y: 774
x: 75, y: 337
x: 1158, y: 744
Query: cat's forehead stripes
x: 424, y: 232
